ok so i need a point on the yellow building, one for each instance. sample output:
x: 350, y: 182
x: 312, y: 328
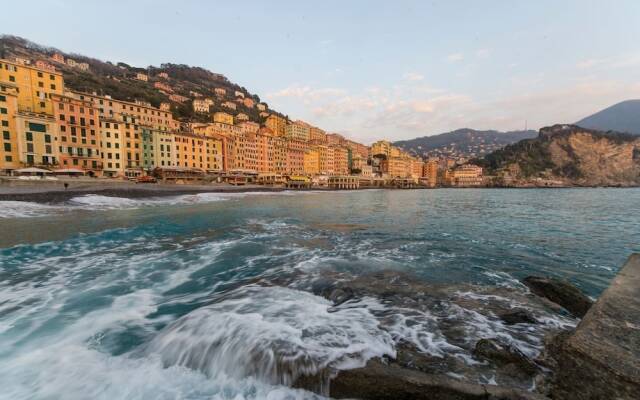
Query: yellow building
x: 37, y: 139
x: 201, y: 106
x: 34, y: 85
x: 312, y: 162
x: 381, y: 147
x: 223, y: 118
x: 157, y: 148
x: 277, y: 124
x: 9, y: 157
x: 198, y: 151
x: 145, y: 114
x: 430, y: 172
x: 297, y: 130
x: 121, y: 147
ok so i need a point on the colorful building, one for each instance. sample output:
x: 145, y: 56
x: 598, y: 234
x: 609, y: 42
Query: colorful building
x: 36, y: 137
x: 298, y: 130
x: 9, y: 156
x: 277, y: 124
x: 34, y: 86
x: 78, y: 134
x: 223, y: 118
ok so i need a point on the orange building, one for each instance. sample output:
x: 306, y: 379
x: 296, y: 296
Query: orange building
x: 78, y: 134
x: 9, y: 155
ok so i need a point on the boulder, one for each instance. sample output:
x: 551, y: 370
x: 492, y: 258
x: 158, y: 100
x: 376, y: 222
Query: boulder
x: 560, y: 292
x: 518, y: 317
x: 378, y: 381
x: 601, y: 358
x: 504, y: 355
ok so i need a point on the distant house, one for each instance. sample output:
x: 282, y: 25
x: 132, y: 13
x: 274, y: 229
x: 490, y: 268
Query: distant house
x: 220, y: 91
x: 57, y: 57
x: 83, y: 66
x: 261, y: 106
x: 165, y: 106
x: 22, y: 60
x: 242, y: 117
x: 177, y: 98
x: 71, y: 62
x: 163, y: 86
x: 248, y: 102
x: 229, y: 104
x: 239, y: 94
x: 142, y: 77
x: 45, y: 65
x: 163, y: 75
x: 200, y: 106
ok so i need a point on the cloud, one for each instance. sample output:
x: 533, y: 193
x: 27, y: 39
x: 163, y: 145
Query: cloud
x: 455, y: 57
x: 621, y: 61
x: 305, y: 92
x: 413, y: 76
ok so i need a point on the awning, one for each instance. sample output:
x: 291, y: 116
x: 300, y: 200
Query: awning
x: 32, y: 170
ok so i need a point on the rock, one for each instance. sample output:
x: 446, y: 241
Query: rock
x: 560, y: 292
x: 518, y: 317
x: 341, y: 295
x: 601, y: 358
x: 504, y: 355
x: 377, y: 381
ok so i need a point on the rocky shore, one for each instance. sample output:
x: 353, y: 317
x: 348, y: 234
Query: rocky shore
x: 598, y: 359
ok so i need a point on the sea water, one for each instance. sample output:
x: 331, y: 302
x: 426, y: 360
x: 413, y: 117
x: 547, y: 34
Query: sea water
x: 174, y: 297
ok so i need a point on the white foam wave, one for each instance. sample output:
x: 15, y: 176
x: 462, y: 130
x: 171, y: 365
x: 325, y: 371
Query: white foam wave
x: 273, y: 334
x: 24, y: 209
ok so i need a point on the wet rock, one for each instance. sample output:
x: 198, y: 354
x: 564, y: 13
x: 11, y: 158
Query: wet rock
x: 378, y: 381
x: 504, y: 355
x: 560, y: 292
x: 518, y: 317
x: 601, y: 359
x: 341, y: 295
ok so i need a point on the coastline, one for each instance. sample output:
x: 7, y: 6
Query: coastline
x: 54, y: 191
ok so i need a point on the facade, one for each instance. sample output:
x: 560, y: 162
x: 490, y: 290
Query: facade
x: 340, y: 160
x: 177, y: 98
x: 45, y: 66
x: 220, y: 91
x: 163, y: 86
x: 223, y: 118
x: 277, y: 124
x: 9, y: 156
x: 34, y: 86
x: 144, y: 113
x: 157, y: 148
x: 317, y: 135
x: 57, y: 57
x: 37, y: 139
x: 242, y: 117
x: 298, y: 130
x: 467, y: 175
x: 78, y: 134
x: 248, y: 102
x: 142, y: 77
x: 197, y: 151
x: 163, y: 75
x: 201, y: 106
x: 229, y: 104
x: 261, y: 107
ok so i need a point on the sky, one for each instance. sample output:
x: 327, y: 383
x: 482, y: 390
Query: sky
x: 373, y: 69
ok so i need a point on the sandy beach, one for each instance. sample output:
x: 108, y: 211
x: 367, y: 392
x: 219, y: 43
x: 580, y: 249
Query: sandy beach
x: 45, y: 191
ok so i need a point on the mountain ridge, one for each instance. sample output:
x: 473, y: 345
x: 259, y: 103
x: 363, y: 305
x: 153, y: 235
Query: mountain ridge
x: 465, y: 142
x: 620, y: 117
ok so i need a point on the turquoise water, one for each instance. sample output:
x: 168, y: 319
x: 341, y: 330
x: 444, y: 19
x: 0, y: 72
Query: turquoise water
x: 116, y: 298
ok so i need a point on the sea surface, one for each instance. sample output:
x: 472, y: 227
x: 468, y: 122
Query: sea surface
x: 178, y: 297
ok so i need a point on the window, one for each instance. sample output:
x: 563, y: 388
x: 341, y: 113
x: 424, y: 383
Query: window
x: 7, y: 147
x: 39, y: 74
x: 53, y: 87
x: 8, y: 158
x: 6, y: 135
x: 41, y: 84
x: 37, y: 127
x: 3, y: 98
x: 29, y: 136
x: 29, y: 147
x: 3, y: 110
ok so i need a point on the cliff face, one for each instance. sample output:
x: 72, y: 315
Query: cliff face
x: 572, y: 155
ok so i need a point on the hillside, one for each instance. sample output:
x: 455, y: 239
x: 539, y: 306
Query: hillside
x: 119, y: 81
x: 572, y: 155
x: 463, y: 142
x: 621, y: 117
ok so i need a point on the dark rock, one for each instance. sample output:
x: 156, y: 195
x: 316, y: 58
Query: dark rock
x: 341, y: 295
x: 504, y: 355
x: 560, y: 292
x: 601, y: 359
x: 377, y: 381
x: 518, y: 317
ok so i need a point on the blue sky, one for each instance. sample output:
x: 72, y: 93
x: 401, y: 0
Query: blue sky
x: 372, y: 69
